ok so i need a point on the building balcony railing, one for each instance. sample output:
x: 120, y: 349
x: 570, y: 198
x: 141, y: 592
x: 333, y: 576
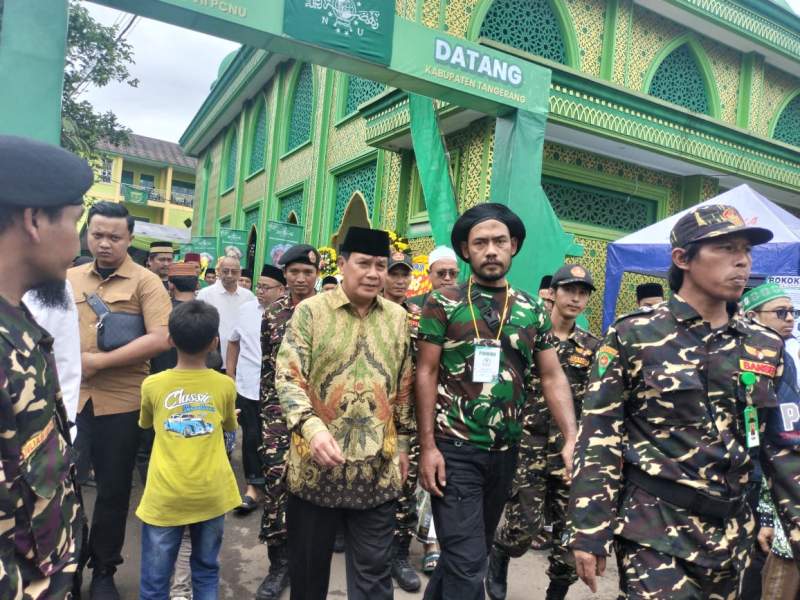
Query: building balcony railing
x: 183, y: 199
x: 138, y: 194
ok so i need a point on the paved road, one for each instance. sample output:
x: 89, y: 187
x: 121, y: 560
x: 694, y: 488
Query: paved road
x: 244, y: 563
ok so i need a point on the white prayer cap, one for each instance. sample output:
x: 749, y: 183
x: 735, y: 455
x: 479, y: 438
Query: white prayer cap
x: 441, y: 252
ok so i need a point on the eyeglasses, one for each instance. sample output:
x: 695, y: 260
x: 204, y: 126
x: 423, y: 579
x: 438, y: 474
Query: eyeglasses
x: 230, y: 271
x: 782, y: 313
x: 442, y: 273
x: 267, y: 287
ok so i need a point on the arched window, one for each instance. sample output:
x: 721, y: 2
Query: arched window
x: 302, y: 110
x: 529, y: 25
x: 230, y: 160
x: 787, y: 127
x: 361, y: 179
x: 359, y: 90
x: 258, y: 144
x: 679, y: 80
x: 292, y: 205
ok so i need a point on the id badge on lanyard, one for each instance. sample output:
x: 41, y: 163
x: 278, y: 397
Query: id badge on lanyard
x: 486, y: 360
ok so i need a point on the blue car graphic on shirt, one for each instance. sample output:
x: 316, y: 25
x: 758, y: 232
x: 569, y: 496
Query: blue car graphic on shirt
x: 188, y: 425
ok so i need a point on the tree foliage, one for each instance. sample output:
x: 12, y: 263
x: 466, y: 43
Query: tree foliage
x: 97, y: 55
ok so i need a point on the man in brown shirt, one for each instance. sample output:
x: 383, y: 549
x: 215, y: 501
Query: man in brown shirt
x: 108, y: 410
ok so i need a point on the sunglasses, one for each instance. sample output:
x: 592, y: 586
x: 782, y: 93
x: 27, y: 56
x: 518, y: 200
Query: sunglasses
x: 452, y: 273
x: 782, y: 313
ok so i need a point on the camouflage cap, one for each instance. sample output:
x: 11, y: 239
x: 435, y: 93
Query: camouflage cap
x: 761, y: 295
x: 714, y: 220
x: 571, y: 273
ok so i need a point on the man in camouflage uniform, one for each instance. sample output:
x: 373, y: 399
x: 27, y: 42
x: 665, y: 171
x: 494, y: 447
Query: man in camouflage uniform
x: 42, y: 525
x: 300, y: 267
x: 478, y: 344
x: 398, y: 280
x: 674, y: 409
x: 540, y: 485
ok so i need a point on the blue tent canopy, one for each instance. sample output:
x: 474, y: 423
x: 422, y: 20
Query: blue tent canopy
x: 647, y: 251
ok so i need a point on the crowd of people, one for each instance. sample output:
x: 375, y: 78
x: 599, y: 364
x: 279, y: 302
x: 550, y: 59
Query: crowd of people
x: 369, y: 417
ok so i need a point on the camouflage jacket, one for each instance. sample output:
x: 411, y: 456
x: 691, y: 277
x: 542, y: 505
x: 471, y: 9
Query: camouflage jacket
x: 665, y: 395
x: 273, y: 326
x: 41, y: 519
x: 575, y: 355
x: 484, y: 414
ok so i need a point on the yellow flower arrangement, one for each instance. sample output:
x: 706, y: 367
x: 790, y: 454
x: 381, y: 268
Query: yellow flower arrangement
x: 327, y: 261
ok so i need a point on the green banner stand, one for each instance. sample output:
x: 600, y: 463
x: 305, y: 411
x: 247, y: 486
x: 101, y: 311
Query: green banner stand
x: 280, y: 237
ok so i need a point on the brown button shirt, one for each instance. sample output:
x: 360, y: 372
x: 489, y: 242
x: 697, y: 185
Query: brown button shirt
x: 130, y: 289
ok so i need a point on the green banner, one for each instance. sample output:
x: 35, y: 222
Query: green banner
x: 363, y: 28
x: 280, y: 237
x: 233, y: 242
x: 134, y: 195
x: 434, y: 169
x: 516, y: 182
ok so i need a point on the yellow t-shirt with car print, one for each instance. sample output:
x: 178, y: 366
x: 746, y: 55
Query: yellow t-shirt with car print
x: 190, y: 478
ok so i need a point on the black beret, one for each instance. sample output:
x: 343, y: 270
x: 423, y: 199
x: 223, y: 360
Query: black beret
x: 301, y: 253
x: 374, y: 242
x: 649, y: 290
x: 485, y: 212
x: 38, y: 175
x: 273, y: 273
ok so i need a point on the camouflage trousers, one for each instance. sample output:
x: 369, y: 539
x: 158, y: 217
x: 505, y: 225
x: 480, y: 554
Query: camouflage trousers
x: 406, y: 515
x: 273, y: 450
x: 647, y: 573
x: 525, y: 509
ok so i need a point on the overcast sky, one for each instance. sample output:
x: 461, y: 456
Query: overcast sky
x: 175, y: 68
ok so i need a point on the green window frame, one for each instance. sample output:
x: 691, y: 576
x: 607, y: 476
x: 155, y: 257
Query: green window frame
x: 258, y: 139
x: 787, y: 125
x: 357, y: 91
x: 301, y: 114
x: 231, y: 157
x: 679, y: 79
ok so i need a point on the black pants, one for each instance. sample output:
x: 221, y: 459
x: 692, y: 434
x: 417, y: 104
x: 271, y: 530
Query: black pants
x: 113, y: 441
x: 368, y: 537
x: 478, y: 486
x: 250, y: 422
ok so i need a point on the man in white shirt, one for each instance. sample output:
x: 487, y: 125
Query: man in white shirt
x: 243, y: 360
x: 227, y: 297
x: 62, y: 323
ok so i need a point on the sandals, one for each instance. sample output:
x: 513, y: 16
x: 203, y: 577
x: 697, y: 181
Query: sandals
x: 247, y: 506
x: 429, y: 562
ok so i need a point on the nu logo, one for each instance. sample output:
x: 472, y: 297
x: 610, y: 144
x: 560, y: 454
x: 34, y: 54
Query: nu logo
x: 347, y: 16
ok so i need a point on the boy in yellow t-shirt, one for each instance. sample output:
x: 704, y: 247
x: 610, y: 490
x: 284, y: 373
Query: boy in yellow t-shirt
x: 190, y: 481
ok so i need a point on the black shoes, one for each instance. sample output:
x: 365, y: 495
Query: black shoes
x: 278, y: 576
x: 497, y: 574
x: 402, y: 571
x: 102, y: 587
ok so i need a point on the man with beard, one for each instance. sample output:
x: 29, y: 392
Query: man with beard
x: 670, y: 426
x: 108, y: 413
x: 300, y: 269
x: 478, y: 345
x: 160, y: 258
x: 541, y: 487
x: 344, y: 376
x: 442, y: 271
x: 41, y: 518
